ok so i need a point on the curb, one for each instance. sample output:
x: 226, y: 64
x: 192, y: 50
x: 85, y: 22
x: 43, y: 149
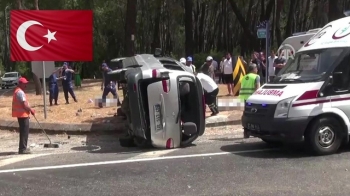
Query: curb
x: 72, y: 129
x: 223, y: 123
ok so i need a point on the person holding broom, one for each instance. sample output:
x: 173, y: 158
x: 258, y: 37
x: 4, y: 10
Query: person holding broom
x: 21, y: 110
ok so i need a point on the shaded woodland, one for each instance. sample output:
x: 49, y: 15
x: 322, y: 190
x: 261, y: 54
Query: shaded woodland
x: 180, y: 27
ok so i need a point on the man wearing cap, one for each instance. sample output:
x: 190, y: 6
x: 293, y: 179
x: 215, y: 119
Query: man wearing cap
x: 211, y: 91
x: 249, y: 83
x: 183, y: 61
x: 53, y: 87
x: 21, y: 110
x: 190, y: 67
x: 208, y: 68
x: 109, y: 86
x: 67, y: 82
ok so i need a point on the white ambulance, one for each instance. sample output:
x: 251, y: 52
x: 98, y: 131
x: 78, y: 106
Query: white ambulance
x: 310, y: 97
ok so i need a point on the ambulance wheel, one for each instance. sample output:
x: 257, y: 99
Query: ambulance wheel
x: 324, y: 136
x: 127, y: 142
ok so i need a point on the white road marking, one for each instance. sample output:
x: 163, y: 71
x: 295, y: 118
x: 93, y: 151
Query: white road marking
x: 156, y: 153
x: 18, y: 158
x: 129, y: 161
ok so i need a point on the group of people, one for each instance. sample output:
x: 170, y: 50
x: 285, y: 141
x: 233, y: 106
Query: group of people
x: 65, y: 73
x: 274, y: 64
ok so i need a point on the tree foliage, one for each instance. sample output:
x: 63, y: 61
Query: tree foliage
x: 183, y: 27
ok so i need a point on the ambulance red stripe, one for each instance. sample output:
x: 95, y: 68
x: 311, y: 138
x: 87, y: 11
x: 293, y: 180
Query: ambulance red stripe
x: 320, y: 101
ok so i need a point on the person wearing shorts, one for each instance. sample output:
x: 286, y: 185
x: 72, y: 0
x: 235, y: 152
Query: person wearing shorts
x: 228, y: 73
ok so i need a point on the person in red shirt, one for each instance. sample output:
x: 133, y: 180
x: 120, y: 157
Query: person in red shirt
x: 21, y: 110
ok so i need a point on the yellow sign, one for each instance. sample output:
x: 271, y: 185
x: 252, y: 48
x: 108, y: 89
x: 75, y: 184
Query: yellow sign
x: 238, y: 73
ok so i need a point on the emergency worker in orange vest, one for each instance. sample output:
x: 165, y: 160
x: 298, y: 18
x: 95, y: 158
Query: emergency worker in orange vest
x: 21, y: 110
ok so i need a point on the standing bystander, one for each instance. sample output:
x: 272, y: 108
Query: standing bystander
x: 67, y: 82
x: 190, y: 67
x: 21, y: 110
x: 249, y: 84
x: 221, y: 73
x: 53, y: 87
x: 228, y: 73
x: 279, y: 63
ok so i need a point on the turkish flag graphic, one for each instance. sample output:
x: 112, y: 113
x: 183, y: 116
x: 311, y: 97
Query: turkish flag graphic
x: 51, y: 35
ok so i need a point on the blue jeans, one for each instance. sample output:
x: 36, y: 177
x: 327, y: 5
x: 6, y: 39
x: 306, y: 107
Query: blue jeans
x: 68, y: 88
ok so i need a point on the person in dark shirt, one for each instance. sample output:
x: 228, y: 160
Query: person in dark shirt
x: 53, y: 86
x: 109, y: 86
x: 67, y: 82
x: 256, y: 60
x: 279, y: 63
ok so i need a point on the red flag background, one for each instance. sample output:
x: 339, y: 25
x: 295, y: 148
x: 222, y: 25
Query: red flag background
x: 74, y: 37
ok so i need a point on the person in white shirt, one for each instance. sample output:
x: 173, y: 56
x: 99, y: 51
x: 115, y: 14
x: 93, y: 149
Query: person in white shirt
x: 189, y: 65
x: 211, y: 91
x: 228, y: 73
x: 271, y: 68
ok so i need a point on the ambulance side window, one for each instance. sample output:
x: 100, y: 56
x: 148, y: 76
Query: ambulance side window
x: 341, y: 75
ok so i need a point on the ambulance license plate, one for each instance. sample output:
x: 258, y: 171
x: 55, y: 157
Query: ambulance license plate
x: 158, y: 117
x: 253, y: 127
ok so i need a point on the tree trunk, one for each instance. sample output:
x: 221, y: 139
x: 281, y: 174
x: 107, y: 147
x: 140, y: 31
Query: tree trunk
x: 333, y: 10
x: 279, y: 7
x: 188, y: 27
x: 156, y: 36
x: 290, y: 19
x: 36, y: 4
x: 130, y: 27
x: 244, y: 24
x: 201, y: 28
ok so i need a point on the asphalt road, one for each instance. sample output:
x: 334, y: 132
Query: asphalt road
x: 225, y: 167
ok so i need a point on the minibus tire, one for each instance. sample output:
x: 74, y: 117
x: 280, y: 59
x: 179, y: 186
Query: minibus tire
x: 312, y: 140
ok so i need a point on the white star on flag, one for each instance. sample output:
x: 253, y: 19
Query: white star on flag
x: 50, y: 36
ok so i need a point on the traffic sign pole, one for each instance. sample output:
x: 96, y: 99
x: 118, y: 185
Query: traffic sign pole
x: 267, y: 45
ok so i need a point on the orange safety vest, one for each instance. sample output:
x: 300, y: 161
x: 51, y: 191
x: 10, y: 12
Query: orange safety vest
x: 17, y: 108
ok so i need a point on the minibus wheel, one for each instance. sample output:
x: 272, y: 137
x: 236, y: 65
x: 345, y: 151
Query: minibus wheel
x: 324, y: 136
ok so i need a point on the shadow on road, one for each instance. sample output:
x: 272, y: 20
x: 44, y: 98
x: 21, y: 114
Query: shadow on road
x: 96, y: 143
x: 289, y: 151
x: 7, y: 153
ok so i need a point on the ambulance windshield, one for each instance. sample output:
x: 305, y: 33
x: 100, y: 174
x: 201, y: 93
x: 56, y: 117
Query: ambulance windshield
x: 310, y: 66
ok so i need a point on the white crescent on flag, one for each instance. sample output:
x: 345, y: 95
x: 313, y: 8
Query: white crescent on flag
x: 21, y: 35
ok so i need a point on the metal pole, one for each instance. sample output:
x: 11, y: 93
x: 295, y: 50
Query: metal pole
x: 267, y: 50
x: 44, y: 89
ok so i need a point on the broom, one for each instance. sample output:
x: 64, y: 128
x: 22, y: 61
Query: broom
x: 50, y: 145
